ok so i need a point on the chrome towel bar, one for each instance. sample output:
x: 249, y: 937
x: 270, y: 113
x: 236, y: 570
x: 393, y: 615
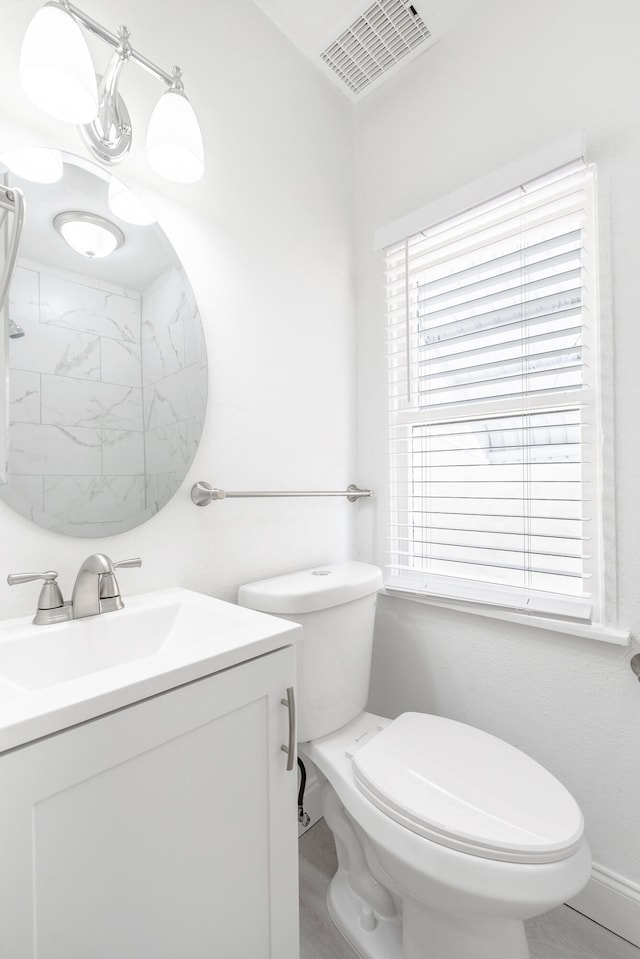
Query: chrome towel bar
x: 202, y: 493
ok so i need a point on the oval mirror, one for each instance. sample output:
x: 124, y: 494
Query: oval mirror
x: 106, y: 357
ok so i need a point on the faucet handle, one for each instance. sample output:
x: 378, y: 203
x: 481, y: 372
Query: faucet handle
x: 50, y: 596
x: 14, y: 579
x: 128, y: 562
x: 109, y: 589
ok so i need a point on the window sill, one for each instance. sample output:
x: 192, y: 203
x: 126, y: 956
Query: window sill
x: 602, y: 634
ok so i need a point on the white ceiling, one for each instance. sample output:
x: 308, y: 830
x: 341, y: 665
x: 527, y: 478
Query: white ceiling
x: 313, y: 24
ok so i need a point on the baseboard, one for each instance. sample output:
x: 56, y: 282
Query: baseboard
x: 311, y: 801
x: 612, y: 901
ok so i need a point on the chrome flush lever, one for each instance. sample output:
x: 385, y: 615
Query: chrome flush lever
x: 635, y: 665
x: 290, y: 750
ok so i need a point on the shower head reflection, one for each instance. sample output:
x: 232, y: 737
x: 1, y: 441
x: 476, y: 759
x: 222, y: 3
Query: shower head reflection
x: 15, y: 331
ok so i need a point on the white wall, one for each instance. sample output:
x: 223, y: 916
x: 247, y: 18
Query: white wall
x: 511, y: 78
x: 266, y: 239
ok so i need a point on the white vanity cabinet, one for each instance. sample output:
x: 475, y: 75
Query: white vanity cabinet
x: 163, y: 830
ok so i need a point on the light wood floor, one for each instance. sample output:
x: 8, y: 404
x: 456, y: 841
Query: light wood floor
x: 560, y: 934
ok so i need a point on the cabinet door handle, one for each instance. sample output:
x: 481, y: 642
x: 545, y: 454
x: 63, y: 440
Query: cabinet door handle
x: 290, y: 750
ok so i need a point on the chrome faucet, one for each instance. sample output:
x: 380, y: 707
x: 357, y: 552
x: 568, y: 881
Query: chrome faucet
x: 95, y: 590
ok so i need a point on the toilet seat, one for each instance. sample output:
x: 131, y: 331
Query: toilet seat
x: 465, y: 789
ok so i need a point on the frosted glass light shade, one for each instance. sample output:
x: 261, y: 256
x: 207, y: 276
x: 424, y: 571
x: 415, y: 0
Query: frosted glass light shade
x: 36, y: 164
x: 88, y: 234
x: 174, y: 141
x: 56, y: 70
x: 124, y: 203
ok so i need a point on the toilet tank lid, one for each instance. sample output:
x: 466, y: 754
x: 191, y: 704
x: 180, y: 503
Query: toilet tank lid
x: 310, y: 590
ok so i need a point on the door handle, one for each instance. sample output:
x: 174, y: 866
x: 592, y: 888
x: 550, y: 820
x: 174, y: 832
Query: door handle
x: 290, y: 750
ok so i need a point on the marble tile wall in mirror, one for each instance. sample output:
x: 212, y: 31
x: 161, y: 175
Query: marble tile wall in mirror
x: 108, y: 390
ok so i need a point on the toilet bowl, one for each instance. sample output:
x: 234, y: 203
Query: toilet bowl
x: 471, y: 870
x: 447, y: 838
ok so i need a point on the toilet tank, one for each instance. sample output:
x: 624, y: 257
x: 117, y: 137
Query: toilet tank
x: 335, y: 605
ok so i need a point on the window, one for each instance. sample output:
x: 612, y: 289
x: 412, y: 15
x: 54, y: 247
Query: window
x: 493, y: 387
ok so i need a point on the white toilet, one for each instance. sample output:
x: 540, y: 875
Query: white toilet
x: 447, y: 837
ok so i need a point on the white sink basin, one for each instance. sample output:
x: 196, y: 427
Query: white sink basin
x: 36, y: 657
x: 54, y: 676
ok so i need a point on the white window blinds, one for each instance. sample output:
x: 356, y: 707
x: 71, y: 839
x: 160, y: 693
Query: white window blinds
x: 492, y: 386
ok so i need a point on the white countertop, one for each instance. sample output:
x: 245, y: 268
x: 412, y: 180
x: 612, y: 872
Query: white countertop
x: 57, y: 676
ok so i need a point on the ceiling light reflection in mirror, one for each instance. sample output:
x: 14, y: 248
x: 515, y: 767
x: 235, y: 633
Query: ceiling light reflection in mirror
x: 35, y: 164
x: 108, y: 384
x: 88, y: 234
x: 127, y: 205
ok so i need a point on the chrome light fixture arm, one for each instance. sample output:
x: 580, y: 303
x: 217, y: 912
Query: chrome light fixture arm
x: 113, y: 39
x: 109, y: 135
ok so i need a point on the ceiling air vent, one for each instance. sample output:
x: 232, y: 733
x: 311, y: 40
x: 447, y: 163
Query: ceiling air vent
x: 374, y: 43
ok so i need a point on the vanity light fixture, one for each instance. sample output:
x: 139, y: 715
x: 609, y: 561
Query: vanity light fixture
x: 36, y: 164
x: 172, y: 133
x: 124, y: 204
x: 56, y: 70
x: 88, y: 234
x: 57, y: 73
